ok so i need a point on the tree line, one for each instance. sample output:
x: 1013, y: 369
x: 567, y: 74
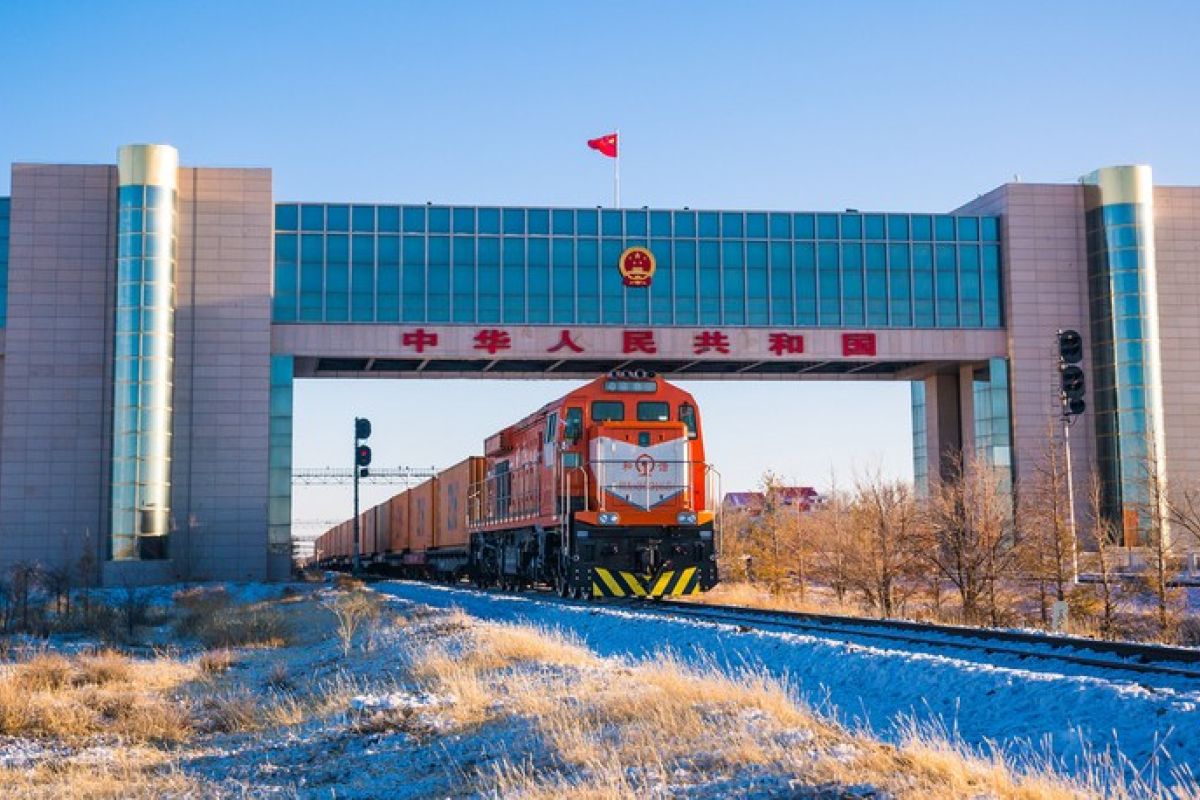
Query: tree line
x: 963, y: 551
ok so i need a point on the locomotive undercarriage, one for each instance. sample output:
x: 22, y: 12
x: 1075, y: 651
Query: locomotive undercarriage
x: 595, y: 561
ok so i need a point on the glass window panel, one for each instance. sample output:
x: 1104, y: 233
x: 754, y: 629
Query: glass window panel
x: 389, y: 249
x: 489, y: 220
x: 852, y: 226
x: 414, y: 219
x: 804, y: 226
x: 312, y: 218
x: 968, y: 229
x: 612, y: 290
x: 684, y: 262
x: 539, y: 221
x: 610, y: 223
x: 514, y: 220
x: 732, y: 224
x: 439, y: 219
x: 756, y: 226
x: 364, y: 218
x: 586, y: 222
x: 287, y: 217
x: 898, y: 228
x: 563, y: 221
x: 922, y: 227
x: 990, y: 228
x: 874, y: 226
x: 709, y: 224
x: 660, y: 223
x: 464, y: 220
x: 439, y: 251
x: 337, y: 218
x: 363, y: 249
x: 635, y: 223
x: 1118, y: 214
x: 286, y: 248
x: 827, y: 226
x: 388, y: 219
x: 685, y: 223
x: 944, y: 228
x: 947, y: 286
x: 781, y: 226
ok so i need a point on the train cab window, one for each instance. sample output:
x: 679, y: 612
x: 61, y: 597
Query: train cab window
x: 687, y: 415
x: 573, y: 428
x: 608, y: 410
x: 551, y: 426
x: 653, y: 411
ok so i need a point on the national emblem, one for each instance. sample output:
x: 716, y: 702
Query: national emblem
x: 636, y: 265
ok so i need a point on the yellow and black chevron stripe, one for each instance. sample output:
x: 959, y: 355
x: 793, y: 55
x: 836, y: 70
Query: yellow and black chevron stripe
x: 671, y: 583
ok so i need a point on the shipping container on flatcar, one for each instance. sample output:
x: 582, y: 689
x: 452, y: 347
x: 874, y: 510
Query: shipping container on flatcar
x: 401, y: 532
x: 422, y: 517
x: 383, y: 529
x: 454, y: 491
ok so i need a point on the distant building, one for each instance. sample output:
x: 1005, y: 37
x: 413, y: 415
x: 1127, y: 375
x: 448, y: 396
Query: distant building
x: 804, y: 498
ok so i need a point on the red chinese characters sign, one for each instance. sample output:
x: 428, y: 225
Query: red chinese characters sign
x: 858, y: 344
x: 669, y: 343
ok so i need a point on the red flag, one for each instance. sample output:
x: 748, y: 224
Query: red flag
x: 605, y: 144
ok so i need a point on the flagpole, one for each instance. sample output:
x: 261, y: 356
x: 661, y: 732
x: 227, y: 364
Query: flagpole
x: 617, y: 173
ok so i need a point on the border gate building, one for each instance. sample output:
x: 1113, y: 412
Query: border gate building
x: 154, y: 317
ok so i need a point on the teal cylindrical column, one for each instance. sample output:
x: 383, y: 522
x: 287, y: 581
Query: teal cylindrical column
x: 144, y: 351
x: 1126, y: 351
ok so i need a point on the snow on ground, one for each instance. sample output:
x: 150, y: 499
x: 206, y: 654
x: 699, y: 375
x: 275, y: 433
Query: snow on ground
x: 1066, y: 713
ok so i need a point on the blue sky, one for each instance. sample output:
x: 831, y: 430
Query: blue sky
x: 912, y: 106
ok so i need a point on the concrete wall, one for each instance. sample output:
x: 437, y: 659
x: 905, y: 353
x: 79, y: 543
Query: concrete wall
x: 54, y: 445
x: 1045, y: 287
x: 56, y: 364
x: 1177, y: 244
x: 222, y: 372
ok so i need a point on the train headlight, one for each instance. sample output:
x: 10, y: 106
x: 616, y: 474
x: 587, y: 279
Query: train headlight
x: 609, y: 518
x: 686, y: 517
x: 706, y: 534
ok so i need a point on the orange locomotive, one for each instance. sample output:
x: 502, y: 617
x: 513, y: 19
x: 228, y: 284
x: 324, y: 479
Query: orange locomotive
x: 601, y: 493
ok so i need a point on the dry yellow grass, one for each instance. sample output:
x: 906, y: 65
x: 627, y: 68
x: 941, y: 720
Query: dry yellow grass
x: 136, y: 772
x: 52, y: 696
x: 623, y: 731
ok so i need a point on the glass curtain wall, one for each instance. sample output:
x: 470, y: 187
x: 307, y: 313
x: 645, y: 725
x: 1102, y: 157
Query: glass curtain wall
x: 477, y: 265
x: 143, y: 352
x: 1126, y: 367
x: 279, y: 511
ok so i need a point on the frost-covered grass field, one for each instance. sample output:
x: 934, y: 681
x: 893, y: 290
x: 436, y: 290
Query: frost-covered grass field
x: 345, y: 692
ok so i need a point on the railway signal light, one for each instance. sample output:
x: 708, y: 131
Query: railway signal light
x: 1070, y: 347
x: 362, y: 455
x: 362, y: 428
x: 1072, y: 386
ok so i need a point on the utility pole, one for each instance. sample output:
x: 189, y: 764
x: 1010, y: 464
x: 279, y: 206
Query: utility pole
x: 362, y: 459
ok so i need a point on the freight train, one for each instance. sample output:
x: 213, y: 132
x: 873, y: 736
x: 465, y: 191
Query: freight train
x: 604, y: 492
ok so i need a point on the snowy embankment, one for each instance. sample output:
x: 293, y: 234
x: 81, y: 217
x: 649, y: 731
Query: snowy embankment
x: 1069, y: 715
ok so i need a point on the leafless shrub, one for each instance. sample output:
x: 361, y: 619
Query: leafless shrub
x: 352, y: 610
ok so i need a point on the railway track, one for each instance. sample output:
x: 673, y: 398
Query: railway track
x: 1035, y: 651
x: 1139, y: 659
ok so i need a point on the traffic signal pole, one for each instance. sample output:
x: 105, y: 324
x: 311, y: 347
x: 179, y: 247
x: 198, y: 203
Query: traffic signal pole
x: 1071, y: 394
x: 357, y: 567
x: 362, y: 459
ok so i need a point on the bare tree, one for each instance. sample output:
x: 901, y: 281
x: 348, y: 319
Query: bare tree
x: 831, y: 530
x: 884, y: 556
x: 1153, y: 518
x: 1047, y: 542
x: 1107, y: 583
x: 972, y: 541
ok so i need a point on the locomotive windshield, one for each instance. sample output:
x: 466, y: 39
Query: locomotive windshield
x: 608, y: 410
x: 653, y: 411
